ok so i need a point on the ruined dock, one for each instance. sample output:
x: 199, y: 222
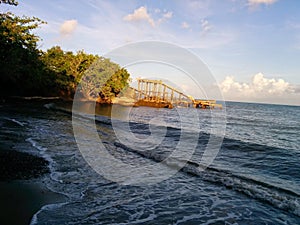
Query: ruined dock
x: 155, y: 93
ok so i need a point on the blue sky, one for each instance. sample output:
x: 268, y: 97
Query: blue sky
x: 252, y: 47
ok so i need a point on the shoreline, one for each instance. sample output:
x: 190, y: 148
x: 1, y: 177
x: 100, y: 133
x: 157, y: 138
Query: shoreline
x: 22, y: 189
x: 20, y: 200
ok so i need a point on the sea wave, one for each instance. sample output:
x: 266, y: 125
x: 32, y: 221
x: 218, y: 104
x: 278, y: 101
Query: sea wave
x: 22, y: 124
x: 278, y: 197
x: 266, y: 192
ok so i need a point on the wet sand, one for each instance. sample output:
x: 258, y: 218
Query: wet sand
x: 20, y: 200
x: 22, y: 191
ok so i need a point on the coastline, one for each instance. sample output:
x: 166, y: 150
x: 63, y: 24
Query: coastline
x: 22, y: 190
x: 21, y: 199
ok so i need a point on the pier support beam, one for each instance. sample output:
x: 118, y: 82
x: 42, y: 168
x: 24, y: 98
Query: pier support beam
x: 155, y: 93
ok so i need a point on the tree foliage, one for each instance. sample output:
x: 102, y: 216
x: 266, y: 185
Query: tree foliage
x: 20, y: 66
x: 104, y: 79
x: 66, y: 68
x: 26, y: 70
x: 18, y: 30
x: 10, y: 2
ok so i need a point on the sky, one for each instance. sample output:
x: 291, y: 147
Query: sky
x: 251, y: 47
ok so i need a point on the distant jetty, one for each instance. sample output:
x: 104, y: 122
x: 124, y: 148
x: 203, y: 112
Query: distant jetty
x: 155, y: 93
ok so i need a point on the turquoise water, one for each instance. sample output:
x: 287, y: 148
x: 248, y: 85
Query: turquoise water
x: 254, y: 178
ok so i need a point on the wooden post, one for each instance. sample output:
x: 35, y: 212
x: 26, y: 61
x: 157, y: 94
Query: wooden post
x: 142, y: 90
x: 156, y: 92
x: 150, y: 90
x: 153, y: 91
x: 139, y: 90
x: 146, y: 92
x: 159, y: 92
x: 164, y: 93
x: 172, y: 95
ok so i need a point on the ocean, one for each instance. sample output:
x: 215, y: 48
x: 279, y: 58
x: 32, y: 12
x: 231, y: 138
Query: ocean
x: 253, y: 176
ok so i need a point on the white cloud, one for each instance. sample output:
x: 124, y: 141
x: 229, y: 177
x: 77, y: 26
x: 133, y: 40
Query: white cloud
x: 259, y: 89
x: 196, y: 4
x: 107, y: 20
x: 168, y: 15
x: 272, y: 86
x: 205, y: 26
x: 195, y: 8
x: 254, y: 4
x: 258, y: 86
x: 230, y: 85
x: 157, y: 10
x: 68, y: 27
x: 140, y: 14
x: 185, y: 25
x: 260, y: 2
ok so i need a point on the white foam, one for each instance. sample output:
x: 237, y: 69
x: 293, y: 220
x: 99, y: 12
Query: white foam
x: 49, y: 105
x: 42, y: 151
x: 36, y: 145
x: 277, y: 198
x: 34, y: 219
x: 17, y: 122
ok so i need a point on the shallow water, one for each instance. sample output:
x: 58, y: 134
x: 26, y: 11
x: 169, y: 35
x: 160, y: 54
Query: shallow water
x: 254, y: 179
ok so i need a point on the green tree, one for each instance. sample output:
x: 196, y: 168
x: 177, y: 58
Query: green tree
x: 103, y: 80
x: 66, y: 68
x: 20, y: 67
x: 26, y: 70
x: 10, y: 2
